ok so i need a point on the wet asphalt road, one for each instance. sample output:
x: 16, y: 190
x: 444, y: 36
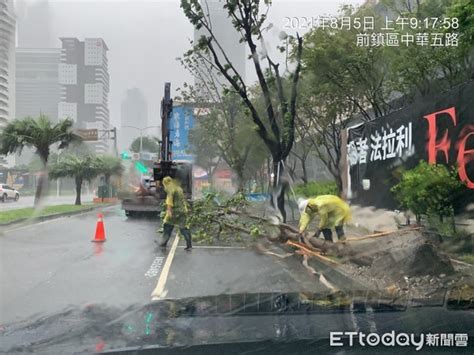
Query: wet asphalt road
x: 49, y: 266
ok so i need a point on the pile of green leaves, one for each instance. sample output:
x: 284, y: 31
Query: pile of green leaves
x: 218, y: 219
x: 429, y: 190
x: 316, y: 188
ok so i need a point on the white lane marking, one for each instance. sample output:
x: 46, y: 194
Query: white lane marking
x: 160, y: 286
x: 371, y: 319
x: 355, y: 324
x: 155, y: 267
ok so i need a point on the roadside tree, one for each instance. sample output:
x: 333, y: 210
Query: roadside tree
x: 81, y: 168
x: 276, y: 126
x: 149, y: 144
x: 40, y: 134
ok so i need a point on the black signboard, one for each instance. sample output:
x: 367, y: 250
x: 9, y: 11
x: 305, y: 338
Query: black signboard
x: 438, y: 129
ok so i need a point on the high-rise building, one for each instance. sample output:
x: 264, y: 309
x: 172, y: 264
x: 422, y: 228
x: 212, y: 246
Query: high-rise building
x: 33, y: 24
x: 7, y: 61
x: 226, y: 35
x: 134, y: 112
x: 37, y: 82
x: 84, y: 79
x: 37, y: 87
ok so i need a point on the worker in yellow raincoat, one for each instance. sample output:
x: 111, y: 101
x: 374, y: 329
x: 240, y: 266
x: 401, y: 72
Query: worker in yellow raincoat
x: 332, y: 211
x: 176, y: 212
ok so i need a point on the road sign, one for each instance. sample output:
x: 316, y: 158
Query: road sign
x: 149, y: 156
x: 135, y: 156
x: 88, y: 135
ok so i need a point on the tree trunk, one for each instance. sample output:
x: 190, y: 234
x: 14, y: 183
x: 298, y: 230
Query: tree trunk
x: 279, y: 188
x: 43, y: 180
x: 41, y: 186
x: 261, y: 177
x: 338, y: 179
x: 305, y: 171
x: 107, y: 183
x: 240, y: 184
x: 239, y: 170
x: 78, y: 191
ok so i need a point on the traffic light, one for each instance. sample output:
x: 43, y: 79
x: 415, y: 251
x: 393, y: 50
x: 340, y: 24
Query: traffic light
x: 125, y: 155
x: 141, y: 168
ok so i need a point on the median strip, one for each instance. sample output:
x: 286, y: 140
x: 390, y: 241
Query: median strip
x: 10, y: 217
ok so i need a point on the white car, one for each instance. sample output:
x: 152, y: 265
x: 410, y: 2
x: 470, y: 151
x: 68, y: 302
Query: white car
x: 8, y: 193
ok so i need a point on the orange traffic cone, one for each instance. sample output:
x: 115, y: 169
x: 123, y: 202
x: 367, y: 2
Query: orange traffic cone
x: 99, y: 230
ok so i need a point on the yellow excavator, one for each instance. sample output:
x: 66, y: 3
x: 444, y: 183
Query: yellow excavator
x: 150, y: 195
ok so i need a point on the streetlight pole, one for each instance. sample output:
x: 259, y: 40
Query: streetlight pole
x: 141, y: 144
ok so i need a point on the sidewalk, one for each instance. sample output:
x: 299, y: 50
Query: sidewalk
x: 372, y: 219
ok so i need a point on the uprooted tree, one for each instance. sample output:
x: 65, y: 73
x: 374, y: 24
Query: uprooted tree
x: 411, y: 251
x: 235, y: 219
x: 276, y: 126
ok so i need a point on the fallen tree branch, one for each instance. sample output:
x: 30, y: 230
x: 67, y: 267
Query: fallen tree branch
x: 236, y: 227
x: 284, y: 256
x: 381, y: 234
x: 311, y: 251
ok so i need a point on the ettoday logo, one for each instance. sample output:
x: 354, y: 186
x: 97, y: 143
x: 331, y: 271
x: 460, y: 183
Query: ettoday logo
x: 397, y: 339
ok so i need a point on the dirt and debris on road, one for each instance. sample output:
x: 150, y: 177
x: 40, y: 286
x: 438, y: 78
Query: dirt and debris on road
x: 401, y: 263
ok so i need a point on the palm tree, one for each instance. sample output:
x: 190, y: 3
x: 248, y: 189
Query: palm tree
x: 41, y: 134
x: 78, y: 167
x: 110, y: 166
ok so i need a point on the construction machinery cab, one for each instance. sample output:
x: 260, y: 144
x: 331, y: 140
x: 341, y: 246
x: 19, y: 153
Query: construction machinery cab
x: 181, y: 171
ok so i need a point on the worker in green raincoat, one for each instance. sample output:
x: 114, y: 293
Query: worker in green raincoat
x: 332, y: 211
x: 176, y: 212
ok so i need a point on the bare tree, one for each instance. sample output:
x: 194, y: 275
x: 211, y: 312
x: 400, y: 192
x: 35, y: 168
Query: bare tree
x: 276, y: 126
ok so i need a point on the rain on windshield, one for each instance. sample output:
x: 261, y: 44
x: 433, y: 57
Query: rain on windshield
x: 236, y: 176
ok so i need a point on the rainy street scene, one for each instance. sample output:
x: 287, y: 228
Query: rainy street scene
x: 236, y: 177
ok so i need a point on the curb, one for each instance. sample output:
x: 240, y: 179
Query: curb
x: 52, y: 216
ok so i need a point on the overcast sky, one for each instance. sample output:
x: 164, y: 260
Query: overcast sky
x: 145, y: 36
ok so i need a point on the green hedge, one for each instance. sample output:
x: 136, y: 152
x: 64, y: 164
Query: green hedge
x: 429, y: 190
x: 316, y: 188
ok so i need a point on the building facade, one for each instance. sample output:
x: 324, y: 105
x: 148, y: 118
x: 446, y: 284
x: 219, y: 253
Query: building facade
x: 84, y: 80
x: 7, y: 61
x: 133, y: 112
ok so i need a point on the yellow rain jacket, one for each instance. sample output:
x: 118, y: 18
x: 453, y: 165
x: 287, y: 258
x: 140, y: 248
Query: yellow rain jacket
x: 332, y: 211
x: 176, y: 202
